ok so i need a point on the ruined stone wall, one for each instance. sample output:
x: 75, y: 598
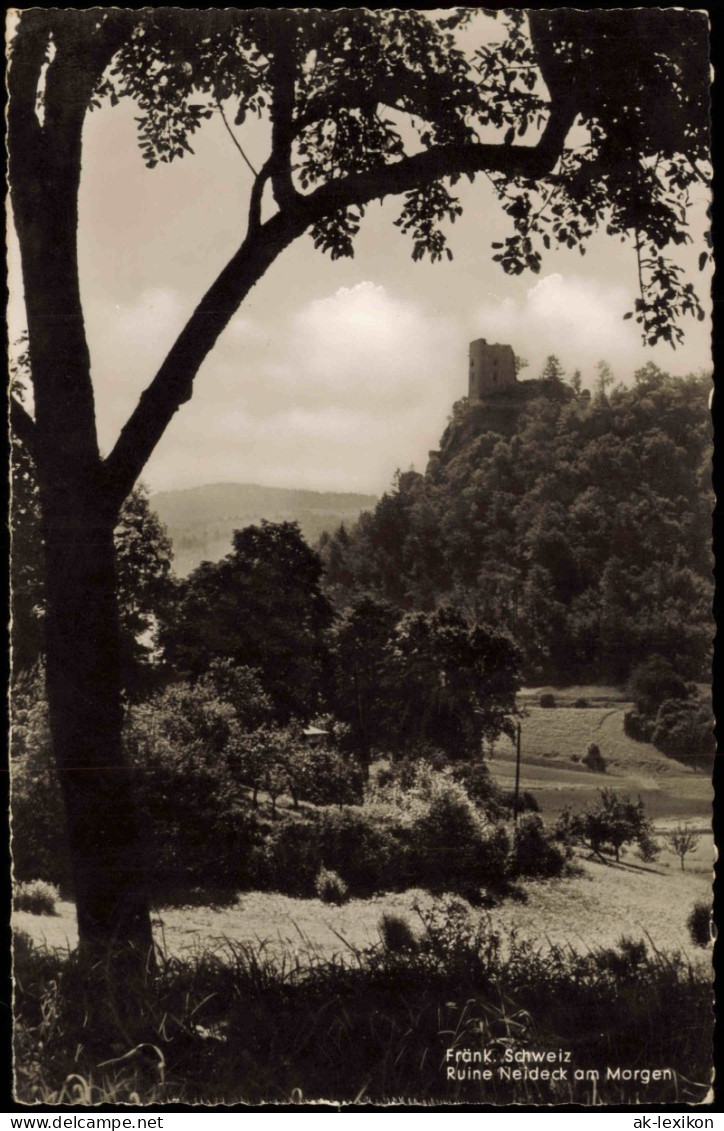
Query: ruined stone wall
x: 491, y: 369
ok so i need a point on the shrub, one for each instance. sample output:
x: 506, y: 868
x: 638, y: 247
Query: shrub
x: 581, y: 702
x: 330, y: 887
x: 547, y: 700
x: 526, y: 803
x: 36, y: 896
x: 39, y: 841
x: 455, y: 849
x: 444, y: 845
x: 195, y: 816
x: 637, y: 726
x: 533, y: 852
x: 482, y: 790
x: 699, y: 924
x: 397, y: 934
x: 654, y: 681
x: 409, y: 786
x: 412, y: 775
x: 370, y: 854
x: 289, y: 858
x: 594, y: 759
x: 683, y: 730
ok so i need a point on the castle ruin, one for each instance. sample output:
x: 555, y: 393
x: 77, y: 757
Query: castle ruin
x: 491, y: 369
x: 496, y: 396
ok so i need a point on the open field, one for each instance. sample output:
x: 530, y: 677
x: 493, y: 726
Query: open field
x: 565, y: 732
x: 557, y: 784
x: 597, y: 695
x: 552, y: 737
x: 592, y: 909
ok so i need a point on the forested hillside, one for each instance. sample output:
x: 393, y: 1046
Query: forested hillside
x: 585, y: 534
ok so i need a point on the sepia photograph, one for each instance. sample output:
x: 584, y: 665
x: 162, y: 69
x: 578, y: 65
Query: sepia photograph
x: 361, y: 727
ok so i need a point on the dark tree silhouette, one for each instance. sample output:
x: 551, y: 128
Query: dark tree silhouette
x: 336, y: 88
x: 260, y: 606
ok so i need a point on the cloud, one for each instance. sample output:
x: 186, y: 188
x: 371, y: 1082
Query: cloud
x: 365, y: 348
x: 338, y: 394
x: 577, y: 318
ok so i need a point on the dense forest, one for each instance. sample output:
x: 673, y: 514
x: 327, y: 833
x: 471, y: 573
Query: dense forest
x: 584, y: 533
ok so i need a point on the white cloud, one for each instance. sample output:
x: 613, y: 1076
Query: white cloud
x: 579, y: 319
x: 363, y: 347
x: 337, y: 395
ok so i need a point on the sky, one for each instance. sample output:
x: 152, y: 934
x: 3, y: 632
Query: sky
x: 332, y: 375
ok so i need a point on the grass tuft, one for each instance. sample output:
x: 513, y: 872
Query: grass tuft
x: 35, y: 896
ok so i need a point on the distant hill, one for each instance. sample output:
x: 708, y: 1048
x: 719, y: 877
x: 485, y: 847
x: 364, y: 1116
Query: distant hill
x: 201, y: 520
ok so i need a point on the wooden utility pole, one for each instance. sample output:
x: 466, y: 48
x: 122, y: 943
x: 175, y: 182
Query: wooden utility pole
x: 517, y: 773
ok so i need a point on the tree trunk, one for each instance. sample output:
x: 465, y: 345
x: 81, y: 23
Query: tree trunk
x: 82, y: 634
x: 83, y: 679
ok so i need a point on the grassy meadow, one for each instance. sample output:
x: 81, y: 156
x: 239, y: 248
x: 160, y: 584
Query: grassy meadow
x: 264, y: 995
x: 553, y: 740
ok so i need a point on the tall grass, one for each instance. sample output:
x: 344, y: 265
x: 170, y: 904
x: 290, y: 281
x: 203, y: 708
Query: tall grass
x: 246, y: 1024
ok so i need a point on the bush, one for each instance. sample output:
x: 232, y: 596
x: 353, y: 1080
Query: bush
x: 533, y: 852
x: 289, y: 858
x: 594, y: 759
x: 449, y: 847
x: 39, y: 840
x: 371, y: 855
x: 683, y: 730
x: 526, y: 803
x: 397, y: 934
x: 196, y: 819
x: 454, y: 849
x: 330, y: 887
x: 37, y: 897
x: 637, y: 726
x: 484, y: 793
x: 547, y: 700
x: 699, y: 924
x: 654, y: 681
x: 581, y: 702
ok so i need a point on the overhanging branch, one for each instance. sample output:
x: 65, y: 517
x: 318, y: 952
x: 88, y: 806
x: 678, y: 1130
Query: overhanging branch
x: 532, y: 162
x: 173, y: 384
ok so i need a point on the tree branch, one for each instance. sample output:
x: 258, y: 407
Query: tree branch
x: 257, y: 192
x: 173, y: 384
x: 233, y: 137
x: 532, y: 162
x: 28, y: 55
x: 282, y: 74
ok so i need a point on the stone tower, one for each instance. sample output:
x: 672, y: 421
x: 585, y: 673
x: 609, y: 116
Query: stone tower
x: 491, y: 369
